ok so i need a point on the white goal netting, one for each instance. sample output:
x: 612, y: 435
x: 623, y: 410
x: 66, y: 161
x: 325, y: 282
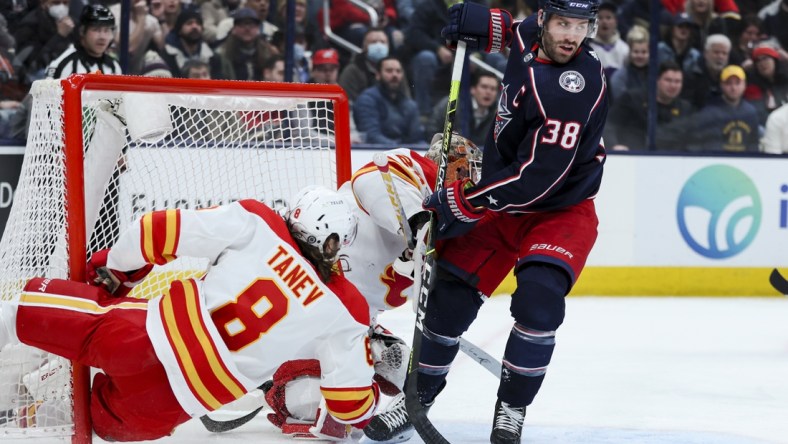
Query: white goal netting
x: 144, y: 150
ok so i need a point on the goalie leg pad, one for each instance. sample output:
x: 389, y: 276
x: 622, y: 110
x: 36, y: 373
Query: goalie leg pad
x: 7, y: 324
x: 51, y: 381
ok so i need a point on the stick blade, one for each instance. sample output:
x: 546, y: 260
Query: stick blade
x: 778, y: 282
x: 215, y: 426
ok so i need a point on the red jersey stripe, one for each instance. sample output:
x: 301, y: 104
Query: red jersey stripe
x: 160, y: 231
x: 208, y: 378
x: 349, y: 404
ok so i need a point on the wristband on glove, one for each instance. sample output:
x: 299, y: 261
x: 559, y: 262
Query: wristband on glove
x: 456, y: 216
x: 459, y: 205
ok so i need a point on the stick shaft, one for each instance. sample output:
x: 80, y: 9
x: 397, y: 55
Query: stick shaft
x: 382, y: 162
x: 416, y: 412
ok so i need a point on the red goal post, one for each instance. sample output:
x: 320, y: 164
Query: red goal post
x: 102, y: 150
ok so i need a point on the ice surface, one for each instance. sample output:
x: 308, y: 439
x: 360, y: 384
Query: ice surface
x: 625, y: 370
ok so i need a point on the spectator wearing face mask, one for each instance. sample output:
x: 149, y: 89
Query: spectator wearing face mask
x: 42, y: 35
x: 359, y: 74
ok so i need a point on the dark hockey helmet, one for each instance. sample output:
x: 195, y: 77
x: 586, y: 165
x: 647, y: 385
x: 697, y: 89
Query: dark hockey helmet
x: 96, y: 15
x: 465, y: 158
x: 581, y: 9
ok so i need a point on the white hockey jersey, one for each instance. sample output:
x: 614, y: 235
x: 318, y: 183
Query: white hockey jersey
x: 367, y: 262
x: 260, y: 304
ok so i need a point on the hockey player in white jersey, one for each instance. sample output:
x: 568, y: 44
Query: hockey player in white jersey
x: 379, y: 264
x: 206, y: 342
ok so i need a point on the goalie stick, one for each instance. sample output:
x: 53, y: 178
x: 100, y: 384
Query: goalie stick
x: 779, y: 282
x: 416, y: 412
x: 474, y: 352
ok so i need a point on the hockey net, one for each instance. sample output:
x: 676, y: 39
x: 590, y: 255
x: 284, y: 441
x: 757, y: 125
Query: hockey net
x: 143, y: 144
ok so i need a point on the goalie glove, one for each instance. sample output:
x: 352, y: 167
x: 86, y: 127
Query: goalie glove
x: 403, y: 265
x: 118, y: 283
x: 390, y: 356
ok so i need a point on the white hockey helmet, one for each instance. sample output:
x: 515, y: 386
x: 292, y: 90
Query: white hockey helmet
x: 316, y: 214
x: 465, y: 158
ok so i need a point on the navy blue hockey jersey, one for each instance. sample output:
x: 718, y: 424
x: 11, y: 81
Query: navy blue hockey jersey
x: 545, y: 149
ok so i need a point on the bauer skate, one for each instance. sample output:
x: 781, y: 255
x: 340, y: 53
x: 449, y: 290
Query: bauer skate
x: 507, y: 424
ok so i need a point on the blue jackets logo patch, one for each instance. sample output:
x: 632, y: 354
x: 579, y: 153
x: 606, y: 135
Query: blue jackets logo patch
x: 572, y: 81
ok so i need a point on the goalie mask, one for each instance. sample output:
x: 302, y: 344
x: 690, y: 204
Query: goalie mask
x: 322, y: 219
x: 465, y: 158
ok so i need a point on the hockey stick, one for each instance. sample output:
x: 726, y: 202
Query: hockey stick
x: 382, y: 162
x: 416, y: 412
x: 779, y: 282
x: 241, y: 404
x: 215, y: 426
x: 474, y: 352
x: 481, y: 357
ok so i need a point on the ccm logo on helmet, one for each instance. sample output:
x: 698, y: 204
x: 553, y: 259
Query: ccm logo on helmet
x: 550, y: 247
x: 579, y: 5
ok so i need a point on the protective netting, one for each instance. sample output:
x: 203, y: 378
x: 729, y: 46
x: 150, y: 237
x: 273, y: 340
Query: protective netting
x: 142, y: 152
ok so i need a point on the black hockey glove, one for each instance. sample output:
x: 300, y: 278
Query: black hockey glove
x: 481, y: 28
x: 456, y: 216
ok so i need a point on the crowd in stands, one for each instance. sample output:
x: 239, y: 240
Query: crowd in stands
x: 722, y: 82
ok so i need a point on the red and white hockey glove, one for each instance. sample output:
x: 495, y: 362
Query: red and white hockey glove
x: 481, y: 28
x: 299, y: 408
x: 118, y: 283
x: 390, y: 355
x: 456, y: 216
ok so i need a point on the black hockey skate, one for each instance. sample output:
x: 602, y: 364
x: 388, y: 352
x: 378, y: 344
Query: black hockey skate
x: 507, y: 424
x: 393, y: 425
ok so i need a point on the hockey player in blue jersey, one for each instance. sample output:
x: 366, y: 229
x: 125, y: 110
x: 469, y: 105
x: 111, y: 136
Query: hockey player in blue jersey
x: 532, y: 209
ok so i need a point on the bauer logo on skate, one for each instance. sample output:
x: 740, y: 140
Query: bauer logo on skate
x: 550, y: 247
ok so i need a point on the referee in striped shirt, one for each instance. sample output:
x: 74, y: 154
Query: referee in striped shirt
x: 89, y: 53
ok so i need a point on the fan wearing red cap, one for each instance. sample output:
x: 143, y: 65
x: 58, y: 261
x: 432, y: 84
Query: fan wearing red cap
x: 325, y: 66
x: 767, y: 82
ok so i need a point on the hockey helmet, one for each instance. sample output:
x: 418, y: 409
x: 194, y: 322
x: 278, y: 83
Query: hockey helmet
x: 465, y: 158
x: 96, y: 15
x: 581, y: 9
x: 319, y: 214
